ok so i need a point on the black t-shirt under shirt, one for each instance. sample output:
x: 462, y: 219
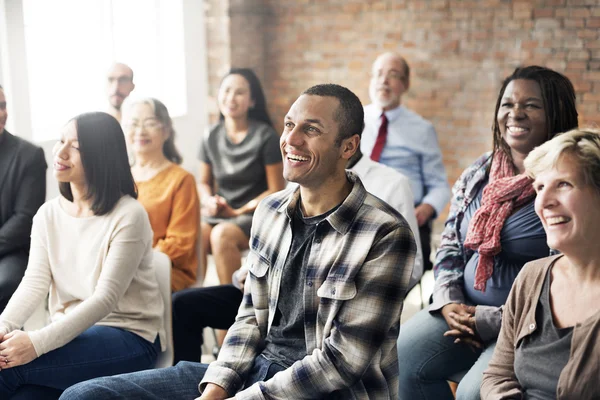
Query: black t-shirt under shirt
x: 285, y: 342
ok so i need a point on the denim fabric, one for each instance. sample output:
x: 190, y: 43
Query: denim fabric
x: 176, y: 383
x: 98, y: 351
x: 427, y: 359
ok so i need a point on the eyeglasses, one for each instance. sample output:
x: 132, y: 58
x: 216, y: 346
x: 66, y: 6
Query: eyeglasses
x: 148, y: 124
x: 391, y: 75
x: 121, y: 80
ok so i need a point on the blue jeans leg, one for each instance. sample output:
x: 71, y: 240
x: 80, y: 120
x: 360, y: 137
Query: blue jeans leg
x: 99, y: 351
x: 470, y: 384
x: 262, y: 370
x: 426, y: 358
x: 175, y: 383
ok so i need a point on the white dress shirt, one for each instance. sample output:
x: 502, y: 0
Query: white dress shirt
x: 395, y: 189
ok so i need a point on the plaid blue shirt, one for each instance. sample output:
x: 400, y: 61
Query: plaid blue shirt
x: 358, y: 271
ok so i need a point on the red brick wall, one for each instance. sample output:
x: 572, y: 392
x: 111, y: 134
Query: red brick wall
x: 459, y: 52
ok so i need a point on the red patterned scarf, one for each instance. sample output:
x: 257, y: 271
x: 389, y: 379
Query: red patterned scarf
x: 504, y: 192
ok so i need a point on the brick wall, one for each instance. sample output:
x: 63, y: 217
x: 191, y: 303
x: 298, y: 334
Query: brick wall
x: 459, y: 52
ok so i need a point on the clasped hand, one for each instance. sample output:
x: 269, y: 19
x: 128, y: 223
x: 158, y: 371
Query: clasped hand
x: 217, y: 206
x: 461, y: 321
x: 16, y: 349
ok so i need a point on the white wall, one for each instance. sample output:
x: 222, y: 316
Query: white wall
x: 14, y: 76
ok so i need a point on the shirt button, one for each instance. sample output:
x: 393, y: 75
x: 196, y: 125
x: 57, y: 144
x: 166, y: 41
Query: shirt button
x: 332, y: 291
x: 310, y: 284
x: 531, y: 327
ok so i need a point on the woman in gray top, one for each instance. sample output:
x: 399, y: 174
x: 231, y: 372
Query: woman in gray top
x: 240, y: 164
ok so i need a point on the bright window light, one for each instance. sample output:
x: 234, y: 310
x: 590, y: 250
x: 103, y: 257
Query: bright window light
x: 71, y: 44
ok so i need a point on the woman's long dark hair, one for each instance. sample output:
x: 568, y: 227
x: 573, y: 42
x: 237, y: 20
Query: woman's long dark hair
x: 558, y: 96
x: 259, y: 111
x: 105, y: 162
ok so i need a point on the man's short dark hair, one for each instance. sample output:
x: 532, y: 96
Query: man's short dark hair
x: 105, y: 161
x: 350, y: 114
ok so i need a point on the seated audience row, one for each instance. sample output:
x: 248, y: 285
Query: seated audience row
x: 346, y: 254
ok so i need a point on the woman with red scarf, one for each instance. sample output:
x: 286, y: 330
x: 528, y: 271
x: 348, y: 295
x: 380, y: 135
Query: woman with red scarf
x: 491, y: 232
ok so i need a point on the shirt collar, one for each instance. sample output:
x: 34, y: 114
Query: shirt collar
x: 361, y: 165
x: 391, y: 115
x: 342, y: 218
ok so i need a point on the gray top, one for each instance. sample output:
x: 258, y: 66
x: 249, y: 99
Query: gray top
x: 285, y: 342
x: 523, y: 239
x: 239, y: 168
x: 541, y: 356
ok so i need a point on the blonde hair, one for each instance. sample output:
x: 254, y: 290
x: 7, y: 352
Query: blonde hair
x: 581, y: 145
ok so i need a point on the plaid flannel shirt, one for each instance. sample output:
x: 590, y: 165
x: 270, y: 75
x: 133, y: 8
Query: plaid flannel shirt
x: 359, y: 267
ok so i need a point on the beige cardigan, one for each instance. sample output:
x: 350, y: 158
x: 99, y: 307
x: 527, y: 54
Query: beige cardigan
x: 578, y: 380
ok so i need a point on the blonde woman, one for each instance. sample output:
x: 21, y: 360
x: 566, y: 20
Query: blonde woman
x: 549, y: 342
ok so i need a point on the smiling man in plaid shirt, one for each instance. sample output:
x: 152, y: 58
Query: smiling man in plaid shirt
x: 329, y: 267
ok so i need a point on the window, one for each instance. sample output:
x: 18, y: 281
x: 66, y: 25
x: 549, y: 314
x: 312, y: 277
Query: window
x: 70, y: 45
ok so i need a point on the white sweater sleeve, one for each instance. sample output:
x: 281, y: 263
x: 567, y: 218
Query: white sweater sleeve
x: 33, y: 289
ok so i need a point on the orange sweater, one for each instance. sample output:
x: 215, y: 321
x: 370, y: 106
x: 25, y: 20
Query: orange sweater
x: 171, y: 200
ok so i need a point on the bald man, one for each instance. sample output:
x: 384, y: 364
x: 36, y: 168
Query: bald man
x: 119, y: 85
x: 406, y: 142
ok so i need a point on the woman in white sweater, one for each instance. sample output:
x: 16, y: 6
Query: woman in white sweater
x: 91, y: 251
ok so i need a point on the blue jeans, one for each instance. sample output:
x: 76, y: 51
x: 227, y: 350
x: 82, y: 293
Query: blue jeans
x: 427, y: 358
x: 99, y: 351
x: 176, y: 383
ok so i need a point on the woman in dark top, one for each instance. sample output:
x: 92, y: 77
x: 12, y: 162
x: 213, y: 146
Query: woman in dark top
x: 548, y: 347
x: 240, y: 164
x: 490, y: 233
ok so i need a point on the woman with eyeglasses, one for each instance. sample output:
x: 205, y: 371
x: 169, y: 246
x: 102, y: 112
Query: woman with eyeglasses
x: 91, y: 255
x: 167, y: 191
x: 549, y: 345
x: 240, y: 164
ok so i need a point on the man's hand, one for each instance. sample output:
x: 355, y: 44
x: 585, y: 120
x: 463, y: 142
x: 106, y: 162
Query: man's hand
x: 461, y: 321
x: 16, y: 349
x: 242, y: 278
x: 213, y: 392
x: 424, y: 212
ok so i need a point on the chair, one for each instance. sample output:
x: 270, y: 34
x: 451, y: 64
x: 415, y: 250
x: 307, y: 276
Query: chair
x: 162, y: 265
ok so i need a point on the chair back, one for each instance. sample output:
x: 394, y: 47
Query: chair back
x: 162, y: 266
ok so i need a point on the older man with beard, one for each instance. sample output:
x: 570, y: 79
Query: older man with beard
x: 402, y: 139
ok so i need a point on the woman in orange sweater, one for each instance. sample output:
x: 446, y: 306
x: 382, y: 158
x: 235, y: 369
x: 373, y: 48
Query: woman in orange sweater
x: 167, y: 191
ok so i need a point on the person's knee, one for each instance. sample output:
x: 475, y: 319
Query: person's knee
x: 469, y: 386
x: 92, y: 390
x: 181, y: 304
x: 222, y: 235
